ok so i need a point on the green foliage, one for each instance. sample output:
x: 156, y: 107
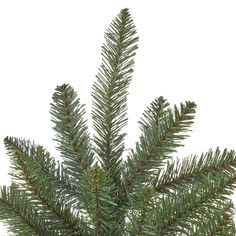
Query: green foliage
x: 71, y: 131
x: 157, y: 142
x: 110, y: 92
x: 93, y: 191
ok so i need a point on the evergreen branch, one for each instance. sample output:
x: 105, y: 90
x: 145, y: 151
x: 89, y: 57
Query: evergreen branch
x: 155, y: 113
x: 17, y: 202
x: 226, y: 225
x: 188, y: 209
x: 44, y: 187
x: 16, y: 223
x: 182, y: 174
x: 140, y: 210
x: 71, y: 130
x: 135, y: 197
x: 98, y: 199
x: 110, y: 92
x: 221, y: 221
x: 212, y: 222
x: 212, y: 219
x: 157, y: 143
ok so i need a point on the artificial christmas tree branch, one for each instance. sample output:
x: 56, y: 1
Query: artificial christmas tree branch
x: 93, y: 191
x: 71, y: 130
x: 110, y: 92
x: 157, y: 142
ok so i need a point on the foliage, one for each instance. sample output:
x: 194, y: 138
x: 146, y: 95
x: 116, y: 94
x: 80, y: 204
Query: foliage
x: 93, y: 190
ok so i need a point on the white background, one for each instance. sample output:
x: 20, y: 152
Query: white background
x: 187, y: 51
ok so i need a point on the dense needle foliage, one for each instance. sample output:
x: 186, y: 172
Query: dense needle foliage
x: 94, y: 190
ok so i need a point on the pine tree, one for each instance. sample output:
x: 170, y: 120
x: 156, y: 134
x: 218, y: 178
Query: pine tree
x: 93, y: 190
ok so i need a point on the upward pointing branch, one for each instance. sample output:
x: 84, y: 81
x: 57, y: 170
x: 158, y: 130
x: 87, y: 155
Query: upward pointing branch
x: 110, y: 91
x: 71, y: 130
x: 157, y: 142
